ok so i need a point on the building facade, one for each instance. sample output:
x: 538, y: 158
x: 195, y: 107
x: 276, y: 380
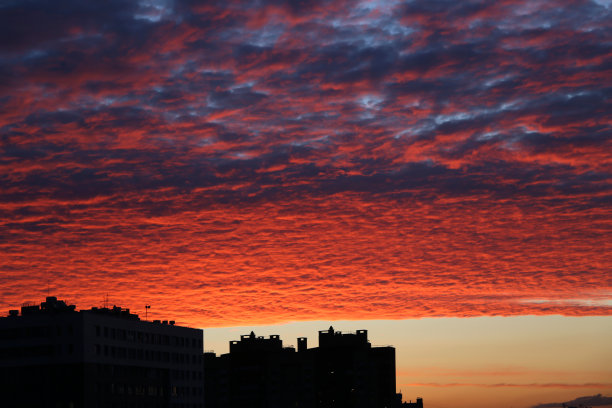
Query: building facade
x: 258, y: 372
x: 349, y: 372
x: 54, y: 356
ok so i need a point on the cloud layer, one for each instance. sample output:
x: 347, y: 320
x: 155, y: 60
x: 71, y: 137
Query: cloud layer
x: 285, y: 160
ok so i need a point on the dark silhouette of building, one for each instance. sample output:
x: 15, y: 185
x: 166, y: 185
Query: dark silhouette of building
x: 258, y: 372
x: 54, y: 356
x: 345, y: 371
x: 417, y: 404
x: 349, y: 372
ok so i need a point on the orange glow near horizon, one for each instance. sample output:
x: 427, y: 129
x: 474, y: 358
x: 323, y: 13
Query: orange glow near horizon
x: 342, y: 258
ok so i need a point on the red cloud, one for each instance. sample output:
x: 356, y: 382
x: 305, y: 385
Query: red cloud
x: 234, y: 166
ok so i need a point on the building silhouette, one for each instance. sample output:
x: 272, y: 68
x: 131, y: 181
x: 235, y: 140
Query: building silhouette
x: 417, y: 404
x: 349, y: 372
x: 344, y: 371
x: 258, y: 372
x: 54, y: 356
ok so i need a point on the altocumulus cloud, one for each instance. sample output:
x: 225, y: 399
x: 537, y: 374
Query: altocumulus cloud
x: 281, y: 160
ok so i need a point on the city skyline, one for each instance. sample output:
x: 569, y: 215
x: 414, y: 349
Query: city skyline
x: 438, y: 359
x: 410, y: 165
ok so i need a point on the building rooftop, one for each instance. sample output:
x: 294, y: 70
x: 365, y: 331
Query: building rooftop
x: 53, y: 306
x: 50, y: 306
x: 333, y: 338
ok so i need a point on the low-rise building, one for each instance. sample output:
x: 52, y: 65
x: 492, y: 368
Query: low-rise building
x: 52, y: 355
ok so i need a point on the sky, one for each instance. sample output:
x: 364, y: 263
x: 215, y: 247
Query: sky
x: 484, y: 362
x: 259, y: 163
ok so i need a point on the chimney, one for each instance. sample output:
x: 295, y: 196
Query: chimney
x: 302, y: 344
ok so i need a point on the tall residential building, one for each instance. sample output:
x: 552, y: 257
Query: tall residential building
x: 52, y: 355
x: 258, y: 372
x: 349, y: 372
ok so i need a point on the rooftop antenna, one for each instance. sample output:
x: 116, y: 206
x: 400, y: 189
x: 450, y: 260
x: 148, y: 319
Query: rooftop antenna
x: 147, y: 307
x: 106, y: 301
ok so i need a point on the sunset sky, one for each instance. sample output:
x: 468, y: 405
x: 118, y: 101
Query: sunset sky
x: 392, y: 165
